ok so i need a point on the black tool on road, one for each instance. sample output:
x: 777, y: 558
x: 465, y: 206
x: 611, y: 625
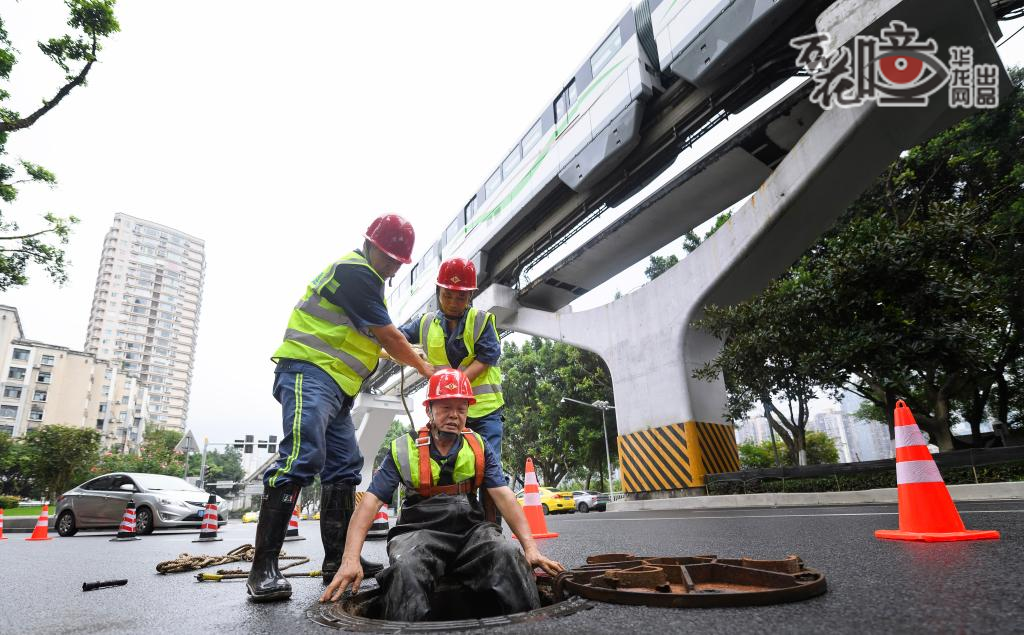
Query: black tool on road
x: 91, y: 586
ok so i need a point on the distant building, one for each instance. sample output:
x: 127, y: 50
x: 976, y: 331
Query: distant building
x: 145, y: 312
x: 46, y: 384
x: 855, y: 439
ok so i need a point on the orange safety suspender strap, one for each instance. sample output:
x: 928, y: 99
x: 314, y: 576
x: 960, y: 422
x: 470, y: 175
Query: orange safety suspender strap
x: 426, y: 478
x: 478, y: 455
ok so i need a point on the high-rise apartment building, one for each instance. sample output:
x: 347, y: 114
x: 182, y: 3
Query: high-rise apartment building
x: 47, y: 384
x: 145, y: 312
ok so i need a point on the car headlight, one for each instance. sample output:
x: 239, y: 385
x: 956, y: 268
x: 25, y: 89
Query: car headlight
x: 171, y: 503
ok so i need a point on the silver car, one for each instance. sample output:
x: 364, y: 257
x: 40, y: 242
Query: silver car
x: 160, y: 501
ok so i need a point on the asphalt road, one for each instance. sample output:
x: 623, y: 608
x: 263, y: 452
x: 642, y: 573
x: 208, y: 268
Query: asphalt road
x: 874, y: 586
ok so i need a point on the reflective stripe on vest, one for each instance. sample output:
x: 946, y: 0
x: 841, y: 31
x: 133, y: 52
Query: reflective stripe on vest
x: 487, y: 386
x: 469, y: 464
x: 321, y: 333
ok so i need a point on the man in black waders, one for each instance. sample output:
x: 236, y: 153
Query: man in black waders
x: 441, y: 530
x: 332, y: 343
x: 461, y: 336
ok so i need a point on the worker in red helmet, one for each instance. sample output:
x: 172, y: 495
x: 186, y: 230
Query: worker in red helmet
x: 331, y: 345
x: 461, y: 336
x: 441, y: 529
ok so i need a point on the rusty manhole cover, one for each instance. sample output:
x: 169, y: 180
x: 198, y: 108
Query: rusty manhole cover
x: 690, y: 581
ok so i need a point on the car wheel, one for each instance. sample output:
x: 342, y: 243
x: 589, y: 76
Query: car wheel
x: 583, y: 508
x: 545, y: 509
x: 66, y: 524
x: 143, y: 521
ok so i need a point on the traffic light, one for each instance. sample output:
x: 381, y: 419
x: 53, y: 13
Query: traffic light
x: 205, y: 476
x: 272, y: 444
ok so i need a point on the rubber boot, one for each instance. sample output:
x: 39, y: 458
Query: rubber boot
x: 266, y: 582
x: 337, y: 503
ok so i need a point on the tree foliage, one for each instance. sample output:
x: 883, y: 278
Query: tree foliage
x: 821, y: 449
x: 915, y: 294
x: 562, y: 439
x: 75, y: 53
x: 57, y: 455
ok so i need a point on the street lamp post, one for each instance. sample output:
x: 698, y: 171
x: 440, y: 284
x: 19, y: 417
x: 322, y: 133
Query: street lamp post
x: 604, y: 407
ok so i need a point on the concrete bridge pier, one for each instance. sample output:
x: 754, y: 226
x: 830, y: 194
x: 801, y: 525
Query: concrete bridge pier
x: 671, y: 430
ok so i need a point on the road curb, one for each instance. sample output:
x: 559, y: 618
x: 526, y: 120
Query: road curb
x: 960, y: 493
x: 22, y: 524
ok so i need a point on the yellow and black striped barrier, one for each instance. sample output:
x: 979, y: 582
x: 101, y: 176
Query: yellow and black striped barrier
x: 676, y: 456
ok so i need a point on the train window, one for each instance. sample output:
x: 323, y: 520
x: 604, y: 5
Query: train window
x: 565, y: 100
x: 432, y: 257
x: 453, y: 230
x: 493, y: 183
x: 607, y: 51
x: 511, y: 162
x: 531, y: 138
x: 471, y: 207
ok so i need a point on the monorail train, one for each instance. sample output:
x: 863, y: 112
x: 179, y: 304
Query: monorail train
x: 594, y: 120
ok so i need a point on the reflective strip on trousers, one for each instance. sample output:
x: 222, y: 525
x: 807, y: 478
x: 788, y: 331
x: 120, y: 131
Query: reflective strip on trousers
x: 486, y: 389
x: 908, y: 472
x: 907, y: 436
x: 532, y: 498
x: 318, y: 344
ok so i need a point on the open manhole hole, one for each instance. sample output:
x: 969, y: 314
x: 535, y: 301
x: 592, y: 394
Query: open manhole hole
x: 690, y: 581
x: 451, y: 611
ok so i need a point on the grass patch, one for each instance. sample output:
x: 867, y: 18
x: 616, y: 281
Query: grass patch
x: 24, y: 511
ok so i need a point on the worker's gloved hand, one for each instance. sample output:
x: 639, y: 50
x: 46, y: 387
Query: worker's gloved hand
x: 534, y: 557
x: 350, y: 574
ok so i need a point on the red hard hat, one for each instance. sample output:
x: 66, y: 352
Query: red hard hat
x: 457, y: 274
x: 449, y: 383
x: 393, y: 235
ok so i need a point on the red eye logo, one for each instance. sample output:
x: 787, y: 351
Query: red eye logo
x: 908, y: 76
x: 900, y: 69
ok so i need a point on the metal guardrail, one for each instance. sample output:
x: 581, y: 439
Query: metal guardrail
x: 945, y: 460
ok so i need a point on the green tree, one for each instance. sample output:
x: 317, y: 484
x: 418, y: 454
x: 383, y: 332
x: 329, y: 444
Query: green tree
x: 658, y: 265
x: 913, y: 295
x: 821, y: 449
x: 57, y: 455
x: 75, y: 53
x: 561, y: 440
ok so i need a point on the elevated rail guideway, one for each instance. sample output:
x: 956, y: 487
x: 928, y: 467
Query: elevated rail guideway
x: 806, y: 165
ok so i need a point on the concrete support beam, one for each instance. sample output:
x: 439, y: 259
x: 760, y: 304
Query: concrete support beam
x: 372, y: 416
x: 671, y: 426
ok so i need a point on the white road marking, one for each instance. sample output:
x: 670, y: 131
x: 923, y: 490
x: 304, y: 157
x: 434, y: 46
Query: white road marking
x: 969, y: 511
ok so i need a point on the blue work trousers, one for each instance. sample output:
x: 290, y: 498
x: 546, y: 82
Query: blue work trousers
x: 490, y: 427
x: 319, y: 437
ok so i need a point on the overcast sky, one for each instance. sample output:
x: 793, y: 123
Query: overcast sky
x: 275, y: 132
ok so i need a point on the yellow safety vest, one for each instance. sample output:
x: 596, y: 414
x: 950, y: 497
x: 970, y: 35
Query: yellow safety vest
x: 319, y: 332
x: 486, y: 387
x: 420, y: 473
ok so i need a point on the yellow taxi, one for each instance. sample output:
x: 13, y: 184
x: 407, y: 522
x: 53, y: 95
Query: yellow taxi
x: 552, y: 502
x: 316, y: 516
x: 250, y: 517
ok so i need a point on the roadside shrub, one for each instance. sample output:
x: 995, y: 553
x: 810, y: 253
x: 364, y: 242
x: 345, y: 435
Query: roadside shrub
x: 870, y: 480
x: 8, y: 502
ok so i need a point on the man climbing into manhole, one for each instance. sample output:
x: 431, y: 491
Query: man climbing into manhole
x: 441, y: 530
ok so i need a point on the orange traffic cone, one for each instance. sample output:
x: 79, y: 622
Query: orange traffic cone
x: 2, y: 524
x: 42, y: 526
x: 531, y: 507
x: 127, y: 529
x: 379, y: 528
x: 293, y: 526
x: 208, y: 530
x: 927, y: 512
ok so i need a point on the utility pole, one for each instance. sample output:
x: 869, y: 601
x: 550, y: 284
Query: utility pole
x: 604, y: 407
x: 202, y: 465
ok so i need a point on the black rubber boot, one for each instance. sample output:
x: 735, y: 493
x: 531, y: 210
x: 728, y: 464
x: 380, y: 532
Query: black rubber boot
x: 266, y: 582
x: 337, y: 503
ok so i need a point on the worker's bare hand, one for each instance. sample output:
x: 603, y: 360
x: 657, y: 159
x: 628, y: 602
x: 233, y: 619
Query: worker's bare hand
x: 549, y: 566
x: 350, y: 574
x: 427, y: 371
